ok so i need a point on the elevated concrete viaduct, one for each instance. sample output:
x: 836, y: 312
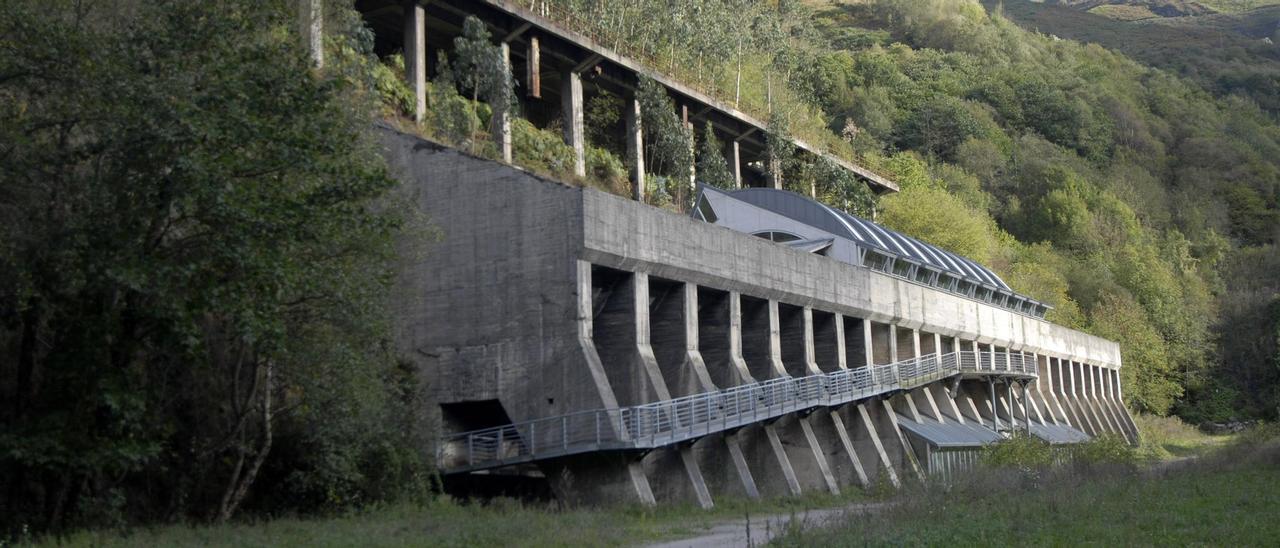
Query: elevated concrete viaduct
x: 760, y: 347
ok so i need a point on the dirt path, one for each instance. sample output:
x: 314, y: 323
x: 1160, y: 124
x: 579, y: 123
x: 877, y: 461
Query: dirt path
x: 760, y: 530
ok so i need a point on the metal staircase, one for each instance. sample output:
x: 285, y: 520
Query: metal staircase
x: 668, y: 422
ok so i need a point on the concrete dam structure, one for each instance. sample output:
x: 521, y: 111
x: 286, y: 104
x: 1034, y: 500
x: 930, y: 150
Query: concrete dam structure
x: 765, y: 345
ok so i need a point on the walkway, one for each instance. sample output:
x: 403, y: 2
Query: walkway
x: 668, y: 422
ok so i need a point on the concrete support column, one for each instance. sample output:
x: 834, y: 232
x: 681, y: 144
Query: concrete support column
x: 1086, y: 386
x: 1064, y: 383
x: 415, y: 56
x: 1091, y: 394
x: 775, y: 172
x: 533, y: 76
x: 635, y: 147
x: 1100, y: 399
x: 657, y: 463
x: 1118, y: 397
x: 810, y: 355
x: 1077, y: 389
x: 867, y: 343
x: 842, y: 354
x: 311, y: 28
x: 799, y: 325
x: 1107, y: 402
x: 606, y: 472
x: 1029, y: 400
x: 736, y: 162
x: 571, y: 107
x: 502, y: 117
x: 893, y: 344
x: 770, y: 442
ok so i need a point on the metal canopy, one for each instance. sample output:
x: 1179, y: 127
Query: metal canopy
x: 868, y: 234
x: 1058, y: 434
x: 951, y: 434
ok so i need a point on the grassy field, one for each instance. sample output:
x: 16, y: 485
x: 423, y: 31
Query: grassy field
x: 1227, y: 497
x: 451, y: 523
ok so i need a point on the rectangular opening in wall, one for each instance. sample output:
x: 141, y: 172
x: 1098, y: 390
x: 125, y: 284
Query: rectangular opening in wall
x: 714, y: 336
x: 473, y: 415
x: 855, y: 342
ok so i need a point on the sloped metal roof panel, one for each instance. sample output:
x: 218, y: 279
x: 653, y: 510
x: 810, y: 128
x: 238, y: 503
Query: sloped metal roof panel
x: 839, y: 223
x: 1058, y: 434
x: 951, y: 434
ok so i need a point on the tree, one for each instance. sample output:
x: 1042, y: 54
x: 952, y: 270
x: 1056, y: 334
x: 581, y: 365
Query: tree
x: 712, y: 167
x: 197, y: 241
x: 481, y: 69
x: 668, y: 149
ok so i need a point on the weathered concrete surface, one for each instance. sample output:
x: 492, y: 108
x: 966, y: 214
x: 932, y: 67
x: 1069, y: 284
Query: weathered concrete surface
x: 541, y: 299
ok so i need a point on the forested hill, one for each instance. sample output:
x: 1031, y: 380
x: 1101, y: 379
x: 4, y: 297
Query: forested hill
x: 1141, y: 206
x: 1229, y: 47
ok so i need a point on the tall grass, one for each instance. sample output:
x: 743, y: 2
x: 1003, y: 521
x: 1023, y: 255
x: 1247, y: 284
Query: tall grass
x: 1226, y: 497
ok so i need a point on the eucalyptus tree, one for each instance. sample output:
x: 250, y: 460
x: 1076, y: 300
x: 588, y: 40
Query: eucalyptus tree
x: 197, y: 243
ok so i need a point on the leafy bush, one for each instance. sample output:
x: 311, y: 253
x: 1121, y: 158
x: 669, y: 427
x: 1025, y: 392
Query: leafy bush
x: 1104, y: 449
x: 605, y: 171
x: 389, y: 83
x: 1020, y: 451
x: 540, y: 150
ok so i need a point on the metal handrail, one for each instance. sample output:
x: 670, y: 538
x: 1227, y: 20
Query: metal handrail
x: 672, y: 421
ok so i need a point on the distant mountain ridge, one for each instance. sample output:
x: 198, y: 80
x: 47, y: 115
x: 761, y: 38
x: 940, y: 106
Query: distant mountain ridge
x: 1228, y: 52
x: 1162, y: 8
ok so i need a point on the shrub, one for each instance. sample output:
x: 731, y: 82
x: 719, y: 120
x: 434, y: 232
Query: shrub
x: 606, y: 172
x: 1105, y: 449
x: 388, y: 81
x: 540, y: 150
x: 1020, y: 451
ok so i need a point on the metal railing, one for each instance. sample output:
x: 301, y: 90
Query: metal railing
x: 672, y: 421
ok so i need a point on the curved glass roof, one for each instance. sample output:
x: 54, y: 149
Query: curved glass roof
x: 804, y: 210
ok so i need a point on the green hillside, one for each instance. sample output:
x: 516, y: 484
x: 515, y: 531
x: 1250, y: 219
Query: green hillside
x: 1227, y: 53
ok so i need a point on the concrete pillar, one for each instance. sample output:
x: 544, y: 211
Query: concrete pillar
x: 1051, y: 398
x: 1062, y: 376
x: 415, y: 56
x: 1106, y: 400
x: 592, y: 470
x: 1099, y: 400
x: 311, y: 28
x: 810, y: 354
x: 764, y: 445
x: 791, y: 352
x: 1099, y: 423
x: 864, y: 418
x: 502, y: 117
x: 710, y: 339
x: 868, y: 343
x: 736, y: 162
x: 893, y: 344
x: 842, y: 351
x: 908, y: 453
x: 1077, y: 388
x: 571, y: 107
x: 658, y: 463
x: 995, y: 415
x: 1121, y: 409
x: 775, y: 172
x: 533, y: 78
